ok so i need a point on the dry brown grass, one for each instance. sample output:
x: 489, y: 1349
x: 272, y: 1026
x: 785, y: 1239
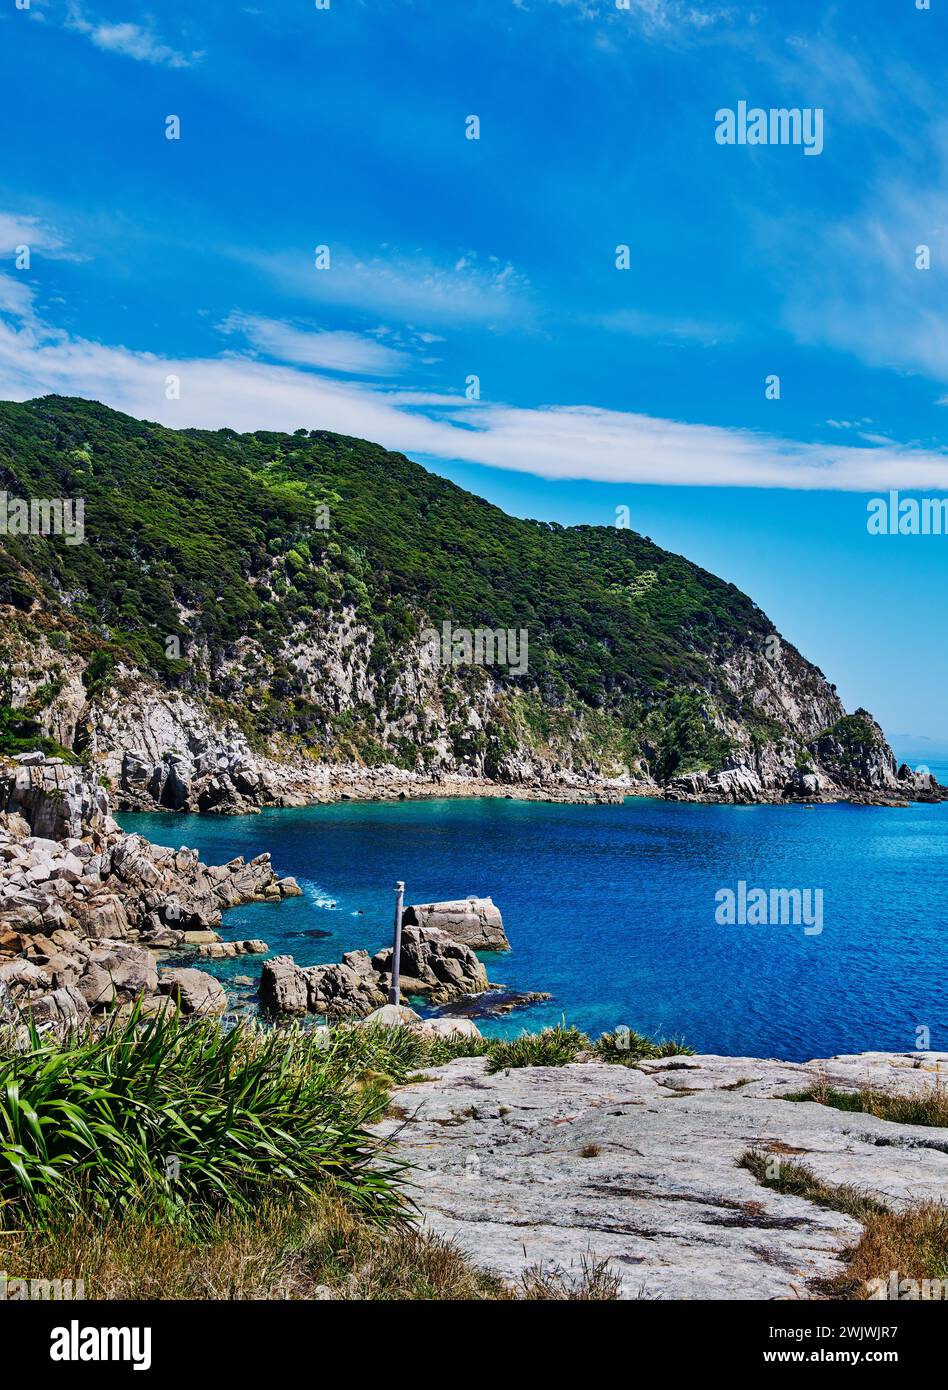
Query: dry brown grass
x: 317, y: 1251
x: 913, y: 1241
x: 928, y: 1107
x: 595, y: 1282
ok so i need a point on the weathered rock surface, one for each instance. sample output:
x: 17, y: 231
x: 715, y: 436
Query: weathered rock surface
x: 223, y: 950
x: 546, y: 1165
x: 474, y: 921
x: 432, y: 964
x: 349, y: 988
x: 284, y: 986
x: 52, y: 797
x: 856, y: 766
x: 84, y: 905
x: 398, y: 1016
x: 193, y: 991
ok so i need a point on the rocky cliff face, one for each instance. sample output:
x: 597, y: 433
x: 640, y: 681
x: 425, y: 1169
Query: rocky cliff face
x: 211, y: 648
x: 784, y: 728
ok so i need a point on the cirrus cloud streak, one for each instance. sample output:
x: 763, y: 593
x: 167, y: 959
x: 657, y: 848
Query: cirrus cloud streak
x: 559, y: 442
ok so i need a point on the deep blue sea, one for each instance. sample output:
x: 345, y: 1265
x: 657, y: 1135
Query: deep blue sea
x: 612, y: 909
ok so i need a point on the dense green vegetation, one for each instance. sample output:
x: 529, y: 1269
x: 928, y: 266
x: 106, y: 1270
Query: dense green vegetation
x: 181, y: 1121
x: 233, y: 528
x: 168, y: 1158
x: 88, y: 1125
x: 854, y: 732
x: 20, y: 734
x: 560, y: 1045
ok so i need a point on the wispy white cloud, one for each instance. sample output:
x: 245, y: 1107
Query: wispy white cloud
x: 18, y: 229
x: 348, y: 353
x: 671, y: 17
x: 551, y: 441
x: 864, y: 292
x: 469, y: 289
x: 657, y: 19
x: 132, y: 40
x: 638, y: 323
x: 16, y: 298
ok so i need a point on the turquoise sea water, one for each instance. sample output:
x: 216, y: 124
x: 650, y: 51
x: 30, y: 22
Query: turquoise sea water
x: 612, y: 909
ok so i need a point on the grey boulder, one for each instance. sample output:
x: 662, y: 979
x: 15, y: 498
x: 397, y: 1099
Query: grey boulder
x: 193, y: 991
x: 476, y: 922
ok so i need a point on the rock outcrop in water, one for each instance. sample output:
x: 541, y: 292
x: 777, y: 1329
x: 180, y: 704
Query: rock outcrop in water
x: 84, y: 908
x: 474, y: 921
x: 433, y: 965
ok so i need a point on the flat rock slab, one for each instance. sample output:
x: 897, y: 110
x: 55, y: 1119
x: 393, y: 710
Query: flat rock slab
x: 552, y: 1166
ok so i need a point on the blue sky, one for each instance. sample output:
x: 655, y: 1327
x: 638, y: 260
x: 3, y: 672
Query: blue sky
x: 495, y: 257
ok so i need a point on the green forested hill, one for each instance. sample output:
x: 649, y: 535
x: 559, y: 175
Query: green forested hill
x: 214, y: 536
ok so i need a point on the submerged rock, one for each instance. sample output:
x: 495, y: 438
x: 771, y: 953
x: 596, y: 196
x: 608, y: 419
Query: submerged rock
x: 495, y: 1003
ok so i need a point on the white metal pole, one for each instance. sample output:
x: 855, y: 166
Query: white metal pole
x: 393, y: 994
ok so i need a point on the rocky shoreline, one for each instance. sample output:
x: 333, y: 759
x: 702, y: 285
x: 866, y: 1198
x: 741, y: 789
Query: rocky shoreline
x: 162, y: 750
x: 243, y: 785
x: 643, y: 1167
x: 94, y: 921
x: 88, y: 913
